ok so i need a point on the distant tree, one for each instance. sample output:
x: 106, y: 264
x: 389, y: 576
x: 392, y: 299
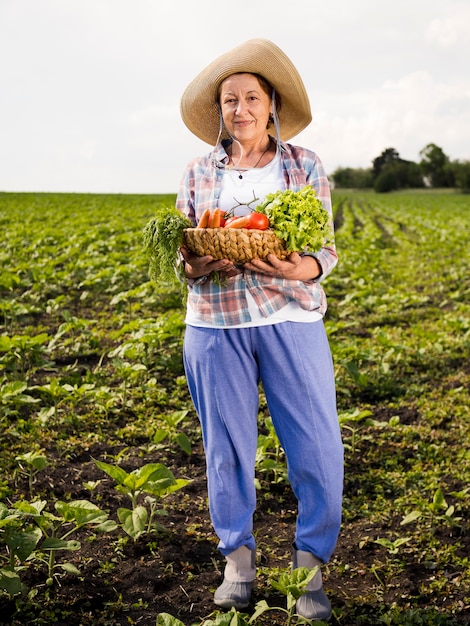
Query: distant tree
x: 435, y: 165
x: 352, y: 178
x: 392, y: 172
x: 389, y: 155
x: 386, y: 181
x: 410, y: 175
x: 461, y: 173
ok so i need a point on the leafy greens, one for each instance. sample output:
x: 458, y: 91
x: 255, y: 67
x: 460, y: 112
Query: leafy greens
x: 298, y: 218
x: 162, y: 237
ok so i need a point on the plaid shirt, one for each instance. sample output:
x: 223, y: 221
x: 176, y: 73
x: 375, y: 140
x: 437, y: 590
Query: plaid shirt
x: 227, y: 305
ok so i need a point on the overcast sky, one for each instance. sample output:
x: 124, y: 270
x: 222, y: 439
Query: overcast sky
x: 90, y: 89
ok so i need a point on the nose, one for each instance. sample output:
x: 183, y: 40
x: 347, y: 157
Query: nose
x: 241, y: 107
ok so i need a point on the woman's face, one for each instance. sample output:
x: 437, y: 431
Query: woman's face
x: 245, y: 107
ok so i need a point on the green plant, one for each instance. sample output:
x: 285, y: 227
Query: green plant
x: 436, y: 510
x: 31, y: 463
x: 291, y: 584
x: 167, y: 429
x: 73, y: 267
x: 231, y: 618
x: 393, y: 547
x: 20, y: 541
x: 153, y: 479
x: 270, y: 457
x: 13, y: 397
x: 162, y: 238
x: 23, y: 352
x: 355, y: 421
x: 31, y: 533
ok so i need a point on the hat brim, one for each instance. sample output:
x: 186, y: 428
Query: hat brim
x: 199, y: 108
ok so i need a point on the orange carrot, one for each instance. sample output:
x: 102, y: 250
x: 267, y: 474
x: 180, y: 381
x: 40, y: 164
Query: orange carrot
x: 204, y: 221
x: 239, y: 222
x: 215, y: 219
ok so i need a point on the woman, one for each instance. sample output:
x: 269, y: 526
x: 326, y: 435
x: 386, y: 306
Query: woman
x: 264, y: 322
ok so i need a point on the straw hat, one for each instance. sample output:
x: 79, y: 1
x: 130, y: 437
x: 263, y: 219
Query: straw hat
x: 199, y: 108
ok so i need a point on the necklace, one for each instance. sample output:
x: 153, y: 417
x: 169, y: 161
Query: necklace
x: 240, y: 175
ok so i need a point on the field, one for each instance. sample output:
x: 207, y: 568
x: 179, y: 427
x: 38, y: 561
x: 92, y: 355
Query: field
x: 103, y: 511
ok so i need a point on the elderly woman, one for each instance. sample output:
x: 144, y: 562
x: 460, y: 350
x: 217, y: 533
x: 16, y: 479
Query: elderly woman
x: 264, y: 322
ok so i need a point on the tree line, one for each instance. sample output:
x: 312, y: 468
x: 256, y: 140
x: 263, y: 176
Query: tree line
x: 389, y: 172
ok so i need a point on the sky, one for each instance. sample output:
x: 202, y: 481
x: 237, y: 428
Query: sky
x: 90, y: 89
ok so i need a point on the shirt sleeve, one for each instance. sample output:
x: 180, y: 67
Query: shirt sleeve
x: 185, y: 197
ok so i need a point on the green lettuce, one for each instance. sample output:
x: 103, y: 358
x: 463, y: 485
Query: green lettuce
x: 298, y: 218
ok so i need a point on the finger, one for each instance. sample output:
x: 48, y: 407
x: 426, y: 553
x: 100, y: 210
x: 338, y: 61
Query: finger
x: 294, y: 258
x: 186, y: 254
x: 222, y: 264
x: 274, y: 261
x: 258, y: 265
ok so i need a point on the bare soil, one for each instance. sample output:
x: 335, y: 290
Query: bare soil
x: 125, y: 582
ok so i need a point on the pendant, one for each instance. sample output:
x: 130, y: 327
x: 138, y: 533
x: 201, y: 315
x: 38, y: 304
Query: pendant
x: 240, y: 176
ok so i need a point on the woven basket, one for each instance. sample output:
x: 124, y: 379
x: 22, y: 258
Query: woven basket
x: 240, y: 245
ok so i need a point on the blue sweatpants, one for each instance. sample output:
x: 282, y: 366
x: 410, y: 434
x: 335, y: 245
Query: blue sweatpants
x: 293, y: 362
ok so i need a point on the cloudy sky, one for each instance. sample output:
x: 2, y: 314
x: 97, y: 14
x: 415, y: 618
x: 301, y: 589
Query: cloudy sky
x: 90, y: 89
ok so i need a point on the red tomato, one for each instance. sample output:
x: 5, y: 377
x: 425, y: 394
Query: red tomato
x: 258, y: 221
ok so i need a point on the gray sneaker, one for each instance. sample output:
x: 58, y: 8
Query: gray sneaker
x: 314, y: 605
x: 236, y: 594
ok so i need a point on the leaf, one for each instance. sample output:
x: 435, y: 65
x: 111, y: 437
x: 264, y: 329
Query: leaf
x: 153, y: 476
x: 438, y: 501
x: 160, y: 435
x: 261, y: 607
x: 178, y: 484
x: 23, y: 543
x: 108, y: 526
x: 31, y: 508
x: 184, y: 442
x: 165, y: 619
x: 35, y: 459
x: 162, y: 237
x: 81, y: 512
x: 114, y: 471
x: 298, y: 218
x: 10, y: 582
x: 70, y: 568
x: 54, y: 543
x: 133, y: 521
x: 353, y: 370
x: 411, y: 517
x: 450, y: 511
x: 9, y: 517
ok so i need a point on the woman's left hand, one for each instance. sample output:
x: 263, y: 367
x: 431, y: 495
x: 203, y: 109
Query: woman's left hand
x: 295, y: 267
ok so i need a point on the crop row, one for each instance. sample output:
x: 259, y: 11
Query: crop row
x: 90, y: 358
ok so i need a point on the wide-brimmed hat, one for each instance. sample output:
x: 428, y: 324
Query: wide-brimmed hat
x: 199, y: 108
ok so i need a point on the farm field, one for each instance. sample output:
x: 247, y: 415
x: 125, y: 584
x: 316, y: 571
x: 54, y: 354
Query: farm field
x: 103, y: 504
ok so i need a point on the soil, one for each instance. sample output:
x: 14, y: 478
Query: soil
x: 127, y: 582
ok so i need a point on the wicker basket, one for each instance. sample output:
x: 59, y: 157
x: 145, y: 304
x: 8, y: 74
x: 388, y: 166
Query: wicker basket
x: 240, y: 245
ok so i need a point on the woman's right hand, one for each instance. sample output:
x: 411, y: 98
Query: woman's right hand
x: 197, y: 266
